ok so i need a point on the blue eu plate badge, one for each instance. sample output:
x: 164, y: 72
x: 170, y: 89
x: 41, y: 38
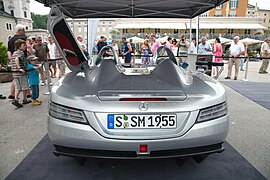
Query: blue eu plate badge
x: 110, y: 121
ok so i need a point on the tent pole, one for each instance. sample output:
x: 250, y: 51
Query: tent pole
x: 197, y: 31
x: 190, y: 30
x: 246, y: 71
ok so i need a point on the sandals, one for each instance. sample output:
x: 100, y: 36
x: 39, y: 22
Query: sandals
x: 26, y: 101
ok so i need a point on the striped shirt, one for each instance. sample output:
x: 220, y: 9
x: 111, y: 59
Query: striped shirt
x: 22, y: 62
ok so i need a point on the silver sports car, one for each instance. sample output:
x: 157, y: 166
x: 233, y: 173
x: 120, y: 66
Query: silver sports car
x: 109, y: 111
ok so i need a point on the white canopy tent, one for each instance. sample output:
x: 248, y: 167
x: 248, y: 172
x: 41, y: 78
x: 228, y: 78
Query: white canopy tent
x: 178, y: 25
x: 222, y: 40
x: 136, y: 39
x: 250, y: 41
x: 163, y: 39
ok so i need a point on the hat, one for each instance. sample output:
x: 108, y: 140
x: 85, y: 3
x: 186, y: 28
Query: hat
x: 32, y: 58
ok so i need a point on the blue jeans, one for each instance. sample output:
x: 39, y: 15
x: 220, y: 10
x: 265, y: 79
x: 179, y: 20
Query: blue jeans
x: 35, y: 91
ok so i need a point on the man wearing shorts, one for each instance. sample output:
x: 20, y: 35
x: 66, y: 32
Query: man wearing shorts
x: 42, y: 52
x: 52, y: 61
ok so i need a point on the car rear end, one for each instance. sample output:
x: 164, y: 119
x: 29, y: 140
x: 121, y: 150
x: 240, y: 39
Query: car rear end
x: 153, y: 124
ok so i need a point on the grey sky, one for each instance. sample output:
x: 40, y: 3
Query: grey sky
x: 263, y: 4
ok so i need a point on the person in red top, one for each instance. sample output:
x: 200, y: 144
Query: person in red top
x: 217, y: 52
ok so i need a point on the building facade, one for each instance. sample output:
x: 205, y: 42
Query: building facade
x: 255, y: 11
x: 7, y: 24
x: 80, y: 27
x: 13, y: 12
x: 232, y: 8
x: 20, y: 9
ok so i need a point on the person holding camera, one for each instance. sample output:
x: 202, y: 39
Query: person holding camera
x: 183, y: 45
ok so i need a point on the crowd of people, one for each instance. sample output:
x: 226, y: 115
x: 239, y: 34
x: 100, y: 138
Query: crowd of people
x: 29, y: 56
x: 237, y: 51
x: 31, y: 59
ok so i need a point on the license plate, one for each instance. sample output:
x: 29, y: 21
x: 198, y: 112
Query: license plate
x: 161, y: 121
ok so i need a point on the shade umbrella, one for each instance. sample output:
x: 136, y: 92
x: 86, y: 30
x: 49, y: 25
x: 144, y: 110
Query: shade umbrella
x: 136, y: 39
x: 163, y: 39
x: 222, y: 40
x: 250, y: 41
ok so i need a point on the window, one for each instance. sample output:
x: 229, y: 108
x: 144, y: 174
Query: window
x: 12, y: 12
x: 218, y: 13
x: 85, y: 29
x: 204, y: 14
x: 233, y: 4
x: 9, y: 26
x: 141, y: 30
x: 125, y: 30
x: 175, y: 31
x: 247, y: 31
x: 157, y: 30
x: 26, y: 27
x: 220, y: 6
x: 25, y: 14
x: 211, y: 31
x: 232, y: 13
x: 79, y: 29
x: 230, y: 31
x: 103, y: 29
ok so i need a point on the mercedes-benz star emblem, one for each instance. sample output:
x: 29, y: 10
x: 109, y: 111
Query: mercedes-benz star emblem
x: 143, y: 106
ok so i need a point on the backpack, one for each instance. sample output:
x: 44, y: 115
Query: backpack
x: 132, y: 47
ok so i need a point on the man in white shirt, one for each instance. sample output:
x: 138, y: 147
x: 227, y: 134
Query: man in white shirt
x: 115, y: 47
x: 237, y: 49
x: 52, y: 62
x: 204, y: 47
x: 265, y: 52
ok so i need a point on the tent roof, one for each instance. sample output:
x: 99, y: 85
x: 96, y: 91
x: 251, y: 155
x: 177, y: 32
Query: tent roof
x: 133, y: 8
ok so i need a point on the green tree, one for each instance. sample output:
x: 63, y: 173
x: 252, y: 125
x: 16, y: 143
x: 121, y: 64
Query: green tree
x: 3, y: 54
x: 39, y: 21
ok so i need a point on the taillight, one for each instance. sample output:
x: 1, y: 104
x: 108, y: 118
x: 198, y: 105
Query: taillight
x: 143, y: 148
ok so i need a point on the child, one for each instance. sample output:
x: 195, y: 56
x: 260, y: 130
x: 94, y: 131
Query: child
x: 33, y: 78
x: 20, y: 78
